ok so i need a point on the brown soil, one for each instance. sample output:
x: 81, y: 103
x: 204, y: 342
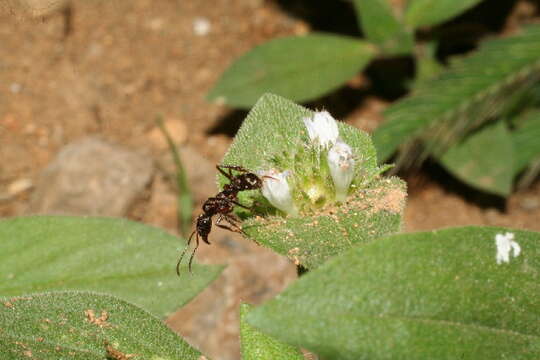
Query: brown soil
x: 112, y: 67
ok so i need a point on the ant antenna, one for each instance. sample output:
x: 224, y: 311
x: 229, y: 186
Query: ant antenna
x: 193, y: 254
x: 184, y: 252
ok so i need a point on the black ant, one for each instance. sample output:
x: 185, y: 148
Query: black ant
x: 222, y: 205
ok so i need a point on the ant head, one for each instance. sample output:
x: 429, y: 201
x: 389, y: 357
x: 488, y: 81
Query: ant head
x: 204, y: 220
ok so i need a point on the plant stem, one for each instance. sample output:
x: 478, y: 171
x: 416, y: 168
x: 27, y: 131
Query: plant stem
x: 185, y: 198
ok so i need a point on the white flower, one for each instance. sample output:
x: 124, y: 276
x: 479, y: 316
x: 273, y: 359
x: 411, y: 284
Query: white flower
x: 505, y: 243
x: 277, y: 190
x: 322, y: 128
x: 341, y: 164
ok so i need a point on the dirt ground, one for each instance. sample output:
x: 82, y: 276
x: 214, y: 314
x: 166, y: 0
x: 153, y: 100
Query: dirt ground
x: 112, y: 67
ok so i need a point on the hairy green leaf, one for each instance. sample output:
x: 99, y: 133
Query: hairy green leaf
x: 258, y: 346
x: 299, y: 67
x: 484, y: 160
x: 432, y: 12
x: 121, y: 257
x: 383, y: 27
x: 472, y: 90
x: 311, y: 240
x: 433, y: 295
x: 526, y: 140
x: 80, y: 325
x: 274, y: 126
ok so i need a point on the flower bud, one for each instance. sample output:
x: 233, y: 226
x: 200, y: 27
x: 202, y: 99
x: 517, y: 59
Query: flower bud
x: 341, y: 164
x: 277, y: 191
x: 322, y: 129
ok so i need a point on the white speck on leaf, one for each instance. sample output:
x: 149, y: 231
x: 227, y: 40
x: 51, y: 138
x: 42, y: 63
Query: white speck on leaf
x: 506, y: 244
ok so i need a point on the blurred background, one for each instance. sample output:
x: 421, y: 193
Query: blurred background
x: 82, y: 84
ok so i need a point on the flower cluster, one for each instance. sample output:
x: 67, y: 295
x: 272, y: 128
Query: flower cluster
x: 337, y: 159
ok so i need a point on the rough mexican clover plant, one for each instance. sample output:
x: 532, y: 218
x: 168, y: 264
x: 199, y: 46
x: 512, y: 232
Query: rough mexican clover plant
x: 322, y: 187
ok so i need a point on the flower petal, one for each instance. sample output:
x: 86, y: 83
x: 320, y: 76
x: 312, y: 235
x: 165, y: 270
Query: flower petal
x: 322, y: 128
x: 341, y: 164
x: 277, y: 191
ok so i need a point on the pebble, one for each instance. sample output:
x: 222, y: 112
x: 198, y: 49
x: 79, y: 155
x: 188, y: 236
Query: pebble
x: 529, y: 203
x: 15, y: 88
x: 39, y: 8
x: 201, y: 26
x: 19, y: 186
x: 91, y: 177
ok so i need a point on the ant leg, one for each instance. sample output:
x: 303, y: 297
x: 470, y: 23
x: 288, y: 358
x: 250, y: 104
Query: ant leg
x: 234, y: 222
x: 232, y: 219
x: 234, y: 167
x: 184, y: 252
x: 235, y: 227
x: 238, y: 204
x: 227, y: 175
x: 231, y: 167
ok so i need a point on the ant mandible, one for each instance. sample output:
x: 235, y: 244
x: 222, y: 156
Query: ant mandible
x: 222, y: 205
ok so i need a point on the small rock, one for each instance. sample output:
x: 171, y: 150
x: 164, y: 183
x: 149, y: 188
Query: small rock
x: 201, y: 26
x: 19, y: 186
x: 529, y: 203
x: 177, y: 129
x: 39, y: 8
x: 492, y: 216
x: 91, y: 177
x: 301, y: 28
x: 15, y: 88
x: 156, y: 24
x: 10, y: 122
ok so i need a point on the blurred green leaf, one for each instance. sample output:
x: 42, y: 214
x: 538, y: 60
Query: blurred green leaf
x: 432, y: 12
x: 121, y: 257
x: 472, y: 90
x: 79, y: 325
x: 258, y: 346
x: 382, y: 26
x: 299, y: 67
x: 484, y: 160
x: 526, y: 140
x: 427, y: 65
x: 433, y: 295
x: 275, y: 125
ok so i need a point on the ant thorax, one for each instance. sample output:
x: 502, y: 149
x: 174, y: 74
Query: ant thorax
x: 248, y: 181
